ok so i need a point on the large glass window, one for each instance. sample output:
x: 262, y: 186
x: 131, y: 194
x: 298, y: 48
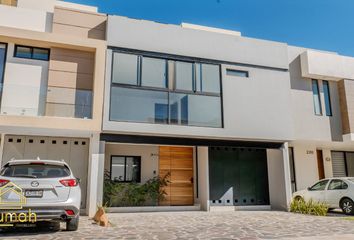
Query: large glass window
x: 125, y: 168
x: 316, y: 97
x: 195, y: 110
x: 153, y: 73
x: 327, y: 98
x: 125, y: 68
x: 185, y: 93
x: 138, y: 105
x: 184, y: 75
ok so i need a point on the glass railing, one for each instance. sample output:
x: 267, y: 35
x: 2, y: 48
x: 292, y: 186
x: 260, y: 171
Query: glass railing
x: 19, y: 100
x: 154, y: 106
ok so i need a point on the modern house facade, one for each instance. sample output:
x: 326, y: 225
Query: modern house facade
x: 231, y: 121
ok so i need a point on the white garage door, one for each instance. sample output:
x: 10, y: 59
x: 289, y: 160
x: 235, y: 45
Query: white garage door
x: 338, y: 164
x: 73, y: 151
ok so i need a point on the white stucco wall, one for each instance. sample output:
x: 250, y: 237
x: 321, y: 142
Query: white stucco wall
x: 203, y: 177
x: 25, y: 86
x: 25, y: 18
x: 276, y: 178
x: 306, y: 170
x: 149, y: 157
x: 42, y: 5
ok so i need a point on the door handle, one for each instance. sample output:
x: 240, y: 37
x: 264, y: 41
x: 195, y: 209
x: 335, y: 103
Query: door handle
x: 192, y: 180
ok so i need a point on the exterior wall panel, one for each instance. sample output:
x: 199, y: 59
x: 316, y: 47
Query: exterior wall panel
x: 79, y: 23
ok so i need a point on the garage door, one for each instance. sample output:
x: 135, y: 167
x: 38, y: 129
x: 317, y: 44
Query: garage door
x: 73, y: 151
x: 338, y: 164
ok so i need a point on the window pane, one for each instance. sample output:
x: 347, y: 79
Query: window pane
x: 153, y: 72
x: 137, y: 105
x: 83, y: 104
x: 132, y: 169
x: 237, y: 73
x: 320, y: 186
x: 117, y: 168
x: 209, y: 78
x: 40, y: 54
x: 23, y: 52
x: 184, y: 76
x: 316, y: 97
x: 327, y: 98
x: 195, y: 110
x: 337, y: 185
x: 2, y: 62
x: 125, y: 68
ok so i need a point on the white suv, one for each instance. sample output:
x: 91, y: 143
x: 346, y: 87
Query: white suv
x: 50, y: 188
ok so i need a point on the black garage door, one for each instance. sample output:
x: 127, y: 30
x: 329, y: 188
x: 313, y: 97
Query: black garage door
x: 238, y: 176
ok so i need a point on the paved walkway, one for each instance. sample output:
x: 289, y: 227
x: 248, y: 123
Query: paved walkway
x: 203, y: 225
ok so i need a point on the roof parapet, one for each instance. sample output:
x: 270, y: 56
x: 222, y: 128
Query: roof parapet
x: 210, y: 29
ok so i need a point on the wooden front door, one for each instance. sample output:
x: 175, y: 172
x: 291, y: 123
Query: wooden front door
x: 321, y: 173
x: 178, y: 163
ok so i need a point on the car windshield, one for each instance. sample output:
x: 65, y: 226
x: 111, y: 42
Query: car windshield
x: 35, y: 171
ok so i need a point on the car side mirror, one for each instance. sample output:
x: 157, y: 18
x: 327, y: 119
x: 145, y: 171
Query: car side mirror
x: 309, y: 188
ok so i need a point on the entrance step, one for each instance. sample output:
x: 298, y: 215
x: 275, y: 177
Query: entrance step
x: 153, y: 209
x: 240, y: 208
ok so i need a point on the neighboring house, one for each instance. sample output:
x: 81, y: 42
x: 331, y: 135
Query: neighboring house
x: 236, y: 121
x: 52, y: 58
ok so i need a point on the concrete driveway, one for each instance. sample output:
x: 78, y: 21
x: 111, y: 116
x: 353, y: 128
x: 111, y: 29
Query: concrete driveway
x: 204, y: 225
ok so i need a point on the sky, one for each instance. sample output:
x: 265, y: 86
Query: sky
x: 318, y: 24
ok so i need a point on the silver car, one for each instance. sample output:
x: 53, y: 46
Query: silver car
x: 49, y: 187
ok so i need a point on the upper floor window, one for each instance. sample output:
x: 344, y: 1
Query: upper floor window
x: 32, y: 53
x: 316, y: 97
x: 2, y: 61
x: 160, y: 90
x: 237, y: 73
x: 327, y: 98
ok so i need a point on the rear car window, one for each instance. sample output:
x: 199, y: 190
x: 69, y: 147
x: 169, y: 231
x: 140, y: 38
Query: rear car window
x: 35, y: 171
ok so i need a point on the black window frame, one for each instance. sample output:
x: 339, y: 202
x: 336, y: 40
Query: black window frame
x: 319, y: 97
x: 125, y: 168
x: 292, y: 162
x: 328, y: 94
x: 5, y: 57
x: 229, y: 72
x: 169, y: 89
x: 31, y: 49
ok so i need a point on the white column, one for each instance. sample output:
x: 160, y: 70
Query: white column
x: 203, y: 177
x: 287, y: 177
x: 2, y: 143
x: 95, y: 175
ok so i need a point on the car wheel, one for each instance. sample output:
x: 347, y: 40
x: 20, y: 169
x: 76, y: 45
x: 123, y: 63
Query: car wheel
x: 72, y: 224
x: 347, y: 206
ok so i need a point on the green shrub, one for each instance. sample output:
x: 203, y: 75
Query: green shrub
x: 310, y: 207
x: 118, y: 194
